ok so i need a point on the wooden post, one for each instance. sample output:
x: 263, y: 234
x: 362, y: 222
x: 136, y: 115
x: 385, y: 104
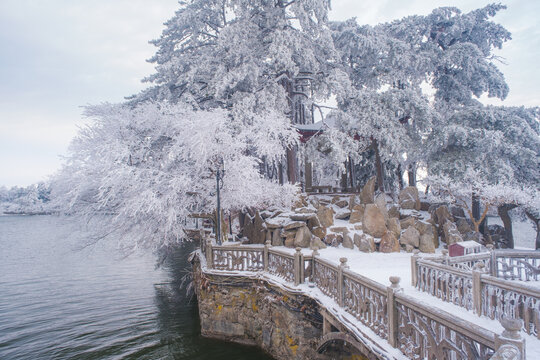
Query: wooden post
x: 341, y: 266
x: 510, y: 344
x: 209, y: 254
x: 477, y: 272
x: 393, y: 324
x: 414, y: 267
x: 265, y: 254
x: 296, y: 262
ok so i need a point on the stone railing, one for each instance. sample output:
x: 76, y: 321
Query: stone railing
x: 477, y: 290
x: 420, y: 331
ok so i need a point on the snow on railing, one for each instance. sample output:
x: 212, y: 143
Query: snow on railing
x: 479, y: 291
x: 418, y: 330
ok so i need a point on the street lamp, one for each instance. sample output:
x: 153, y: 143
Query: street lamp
x: 219, y: 185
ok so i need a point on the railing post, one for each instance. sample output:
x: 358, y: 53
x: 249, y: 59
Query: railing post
x: 313, y: 255
x: 209, y: 254
x: 493, y: 268
x: 341, y: 266
x: 265, y: 254
x: 510, y: 344
x: 414, y: 267
x: 392, y: 312
x: 445, y: 256
x: 477, y: 272
x: 297, y: 258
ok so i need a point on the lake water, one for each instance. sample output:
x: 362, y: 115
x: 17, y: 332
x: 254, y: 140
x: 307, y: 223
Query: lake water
x: 58, y: 301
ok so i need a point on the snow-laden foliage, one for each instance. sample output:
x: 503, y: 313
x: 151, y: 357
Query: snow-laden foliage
x: 150, y: 166
x: 217, y: 53
x: 33, y: 199
x: 493, y: 151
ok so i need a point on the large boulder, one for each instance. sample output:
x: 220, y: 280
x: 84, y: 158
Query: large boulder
x: 303, y: 237
x: 427, y: 245
x: 342, y: 203
x: 290, y: 236
x: 464, y: 226
x: 393, y: 212
x: 380, y: 201
x: 347, y: 242
x: 364, y: 243
x: 326, y: 216
x: 411, y: 236
x: 451, y: 233
x: 313, y: 223
x: 389, y: 243
x: 333, y: 239
x: 409, y: 199
x: 373, y: 222
x: 352, y: 202
x: 442, y: 215
x: 319, y: 232
x: 394, y: 226
x: 367, y: 195
x: 357, y: 214
x: 423, y: 227
x: 276, y: 238
x: 407, y: 222
x: 316, y: 243
x: 343, y: 215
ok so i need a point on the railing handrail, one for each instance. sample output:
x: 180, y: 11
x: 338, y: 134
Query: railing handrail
x: 511, y: 285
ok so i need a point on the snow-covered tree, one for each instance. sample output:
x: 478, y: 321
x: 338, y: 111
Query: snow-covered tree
x: 150, y: 166
x: 33, y: 199
x: 493, y: 153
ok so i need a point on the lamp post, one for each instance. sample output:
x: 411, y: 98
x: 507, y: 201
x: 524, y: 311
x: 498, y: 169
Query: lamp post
x: 219, y: 184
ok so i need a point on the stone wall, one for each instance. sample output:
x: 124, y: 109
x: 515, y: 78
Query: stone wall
x: 252, y: 312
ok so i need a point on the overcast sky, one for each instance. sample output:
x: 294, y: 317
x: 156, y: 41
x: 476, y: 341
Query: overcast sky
x: 59, y: 55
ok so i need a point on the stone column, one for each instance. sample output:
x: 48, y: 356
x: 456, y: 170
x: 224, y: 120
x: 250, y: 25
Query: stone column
x: 341, y: 267
x: 393, y: 324
x: 414, y: 267
x: 477, y: 272
x: 510, y: 345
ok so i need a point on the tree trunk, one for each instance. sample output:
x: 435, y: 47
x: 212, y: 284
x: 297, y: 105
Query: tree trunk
x: 503, y: 211
x: 378, y: 167
x: 536, y: 220
x: 400, y: 177
x: 291, y: 165
x: 412, y: 174
x: 476, y: 214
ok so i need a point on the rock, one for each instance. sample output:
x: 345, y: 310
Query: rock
x: 393, y: 212
x: 276, y: 238
x: 423, y: 227
x: 442, y: 216
x: 358, y: 227
x: 357, y: 214
x: 451, y: 233
x: 409, y: 248
x: 426, y: 244
x: 424, y: 205
x: 364, y: 243
x: 389, y: 243
x: 380, y: 201
x: 394, y: 226
x: 289, y: 239
x: 319, y: 232
x: 411, y: 236
x: 313, y: 223
x: 407, y: 222
x: 303, y: 237
x: 347, y: 242
x: 316, y: 242
x: 464, y: 226
x: 314, y: 202
x: 301, y: 202
x: 457, y: 212
x: 475, y: 236
x: 339, y: 229
x: 367, y: 195
x: 342, y: 204
x: 326, y: 216
x: 409, y: 199
x: 343, y: 215
x: 333, y: 239
x: 302, y: 216
x: 294, y: 225
x: 373, y: 222
x: 336, y: 199
x: 352, y: 202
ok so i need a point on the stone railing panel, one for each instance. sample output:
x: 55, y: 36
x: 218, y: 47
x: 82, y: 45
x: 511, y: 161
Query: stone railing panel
x: 237, y: 258
x: 433, y: 334
x: 281, y: 264
x: 325, y: 276
x: 366, y: 300
x: 516, y: 265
